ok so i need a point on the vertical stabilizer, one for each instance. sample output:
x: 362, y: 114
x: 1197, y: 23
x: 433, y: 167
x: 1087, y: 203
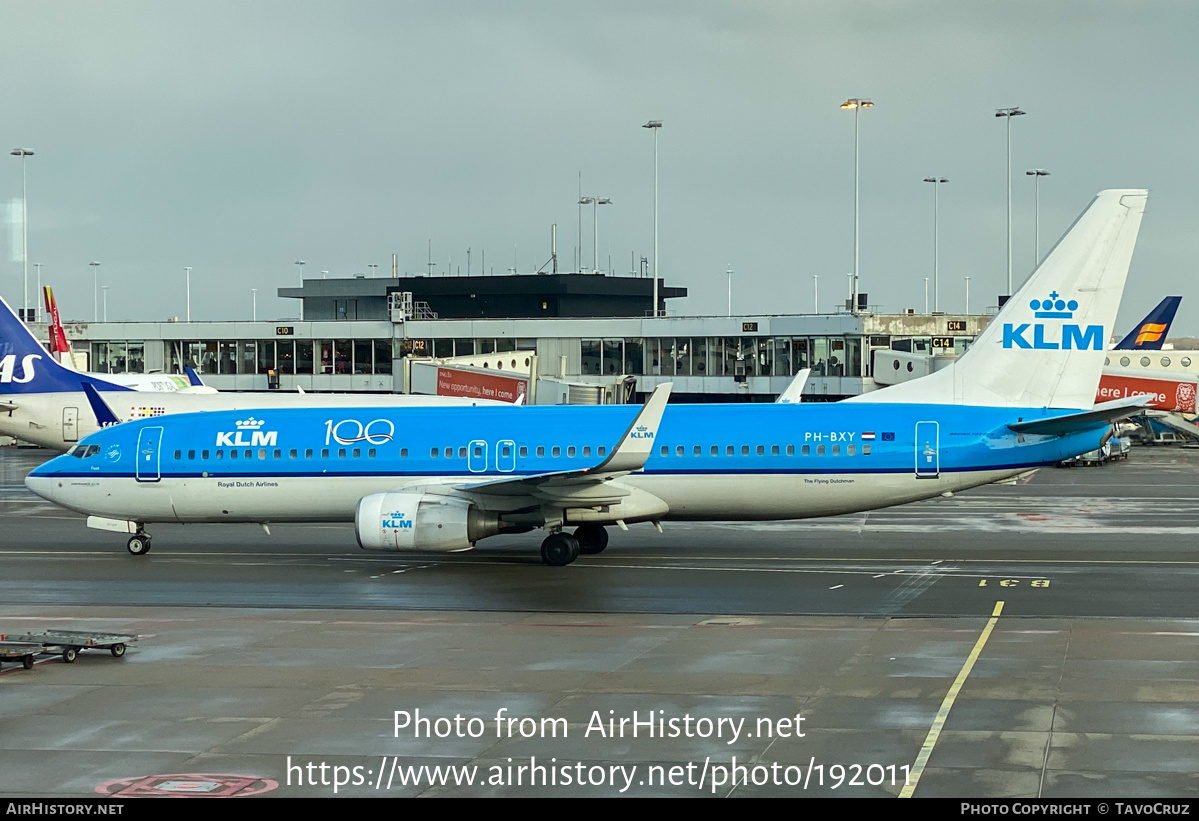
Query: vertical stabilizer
x: 1150, y: 332
x: 27, y: 367
x: 1045, y: 348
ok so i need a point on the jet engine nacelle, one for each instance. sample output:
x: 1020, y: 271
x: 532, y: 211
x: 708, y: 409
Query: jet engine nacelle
x: 420, y: 521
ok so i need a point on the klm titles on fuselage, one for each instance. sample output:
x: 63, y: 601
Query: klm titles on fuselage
x: 237, y: 438
x: 1073, y: 337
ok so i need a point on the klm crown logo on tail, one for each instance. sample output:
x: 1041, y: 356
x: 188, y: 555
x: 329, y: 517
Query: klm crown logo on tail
x: 1065, y: 336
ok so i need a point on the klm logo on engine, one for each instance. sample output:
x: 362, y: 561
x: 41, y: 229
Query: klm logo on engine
x: 642, y: 432
x: 251, y: 427
x: 1071, y: 337
x: 396, y: 521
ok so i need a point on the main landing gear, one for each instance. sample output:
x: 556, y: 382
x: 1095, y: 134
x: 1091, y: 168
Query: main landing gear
x: 139, y: 543
x: 560, y: 549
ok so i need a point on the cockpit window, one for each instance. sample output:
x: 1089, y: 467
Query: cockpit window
x: 83, y: 451
x: 92, y: 450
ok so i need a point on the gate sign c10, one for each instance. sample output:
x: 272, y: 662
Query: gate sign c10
x: 284, y: 330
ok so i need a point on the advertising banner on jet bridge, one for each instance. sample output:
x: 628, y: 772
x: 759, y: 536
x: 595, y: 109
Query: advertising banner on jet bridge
x: 443, y: 381
x: 1169, y: 393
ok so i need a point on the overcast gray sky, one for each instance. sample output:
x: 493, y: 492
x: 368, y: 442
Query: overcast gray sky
x: 239, y: 137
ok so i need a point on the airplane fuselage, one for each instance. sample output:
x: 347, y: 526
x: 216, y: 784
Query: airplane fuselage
x: 709, y: 462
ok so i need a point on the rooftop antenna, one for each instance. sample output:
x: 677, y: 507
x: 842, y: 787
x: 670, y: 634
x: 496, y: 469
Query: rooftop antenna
x: 553, y: 260
x: 430, y: 262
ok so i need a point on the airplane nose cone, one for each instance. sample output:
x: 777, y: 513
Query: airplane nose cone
x: 42, y: 485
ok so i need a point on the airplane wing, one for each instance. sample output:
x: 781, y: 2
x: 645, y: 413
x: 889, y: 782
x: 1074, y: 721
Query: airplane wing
x: 1103, y: 414
x: 589, y: 485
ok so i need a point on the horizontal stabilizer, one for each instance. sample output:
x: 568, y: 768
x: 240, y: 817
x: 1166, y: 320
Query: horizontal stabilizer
x: 1102, y: 414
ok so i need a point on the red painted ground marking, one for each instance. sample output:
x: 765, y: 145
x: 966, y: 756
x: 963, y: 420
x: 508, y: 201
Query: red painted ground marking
x: 187, y: 785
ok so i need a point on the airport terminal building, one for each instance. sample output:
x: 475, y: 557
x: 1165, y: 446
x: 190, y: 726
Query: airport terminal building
x: 595, y: 334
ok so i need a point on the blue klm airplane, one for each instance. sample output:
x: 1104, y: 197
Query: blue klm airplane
x: 424, y: 479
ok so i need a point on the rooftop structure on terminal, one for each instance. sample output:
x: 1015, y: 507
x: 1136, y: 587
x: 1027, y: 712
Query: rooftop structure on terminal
x: 511, y: 296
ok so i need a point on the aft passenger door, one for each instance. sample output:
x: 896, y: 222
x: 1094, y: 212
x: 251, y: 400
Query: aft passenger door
x: 928, y: 456
x: 149, y: 447
x: 70, y: 424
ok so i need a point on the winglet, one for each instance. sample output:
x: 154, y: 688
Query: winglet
x: 193, y: 378
x: 794, y: 391
x: 638, y: 441
x: 104, y: 415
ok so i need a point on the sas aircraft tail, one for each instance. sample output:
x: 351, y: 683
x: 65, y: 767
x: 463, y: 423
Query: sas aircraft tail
x: 26, y: 367
x: 1151, y: 332
x: 1045, y: 347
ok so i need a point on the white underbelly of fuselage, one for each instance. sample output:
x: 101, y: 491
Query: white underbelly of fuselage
x: 690, y: 497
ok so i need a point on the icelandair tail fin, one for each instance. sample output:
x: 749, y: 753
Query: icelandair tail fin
x: 193, y: 378
x: 59, y: 347
x: 1151, y: 332
x: 26, y: 367
x: 1045, y: 348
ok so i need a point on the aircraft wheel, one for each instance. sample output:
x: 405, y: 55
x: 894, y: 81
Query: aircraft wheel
x: 592, y: 538
x: 69, y: 655
x: 139, y: 545
x: 118, y: 649
x: 27, y: 662
x: 559, y: 549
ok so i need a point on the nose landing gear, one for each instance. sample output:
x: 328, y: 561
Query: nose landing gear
x: 139, y: 544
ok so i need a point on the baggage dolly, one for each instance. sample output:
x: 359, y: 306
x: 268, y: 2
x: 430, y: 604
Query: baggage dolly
x: 24, y: 653
x: 70, y: 642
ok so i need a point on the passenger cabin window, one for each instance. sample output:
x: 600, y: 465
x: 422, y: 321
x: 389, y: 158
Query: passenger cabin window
x: 761, y: 450
x: 449, y: 453
x: 715, y: 450
x: 479, y: 452
x: 220, y: 454
x: 587, y: 450
x: 790, y: 450
x: 191, y: 454
x: 293, y: 453
x: 324, y: 453
x: 203, y: 454
x: 728, y: 451
x: 745, y: 450
x: 403, y: 453
x: 805, y: 450
x: 557, y: 451
x: 249, y: 453
x: 602, y: 450
x: 570, y: 451
x: 540, y: 450
x: 278, y: 453
x: 357, y: 453
x: 341, y: 453
x: 774, y: 450
x: 820, y: 450
x: 849, y: 449
x: 836, y: 450
x: 524, y: 451
x: 665, y: 450
x: 678, y: 451
x: 370, y: 454
x: 461, y: 453
x: 698, y: 451
x: 865, y: 450
x: 178, y: 454
x: 232, y: 454
x: 307, y: 453
x: 433, y: 453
